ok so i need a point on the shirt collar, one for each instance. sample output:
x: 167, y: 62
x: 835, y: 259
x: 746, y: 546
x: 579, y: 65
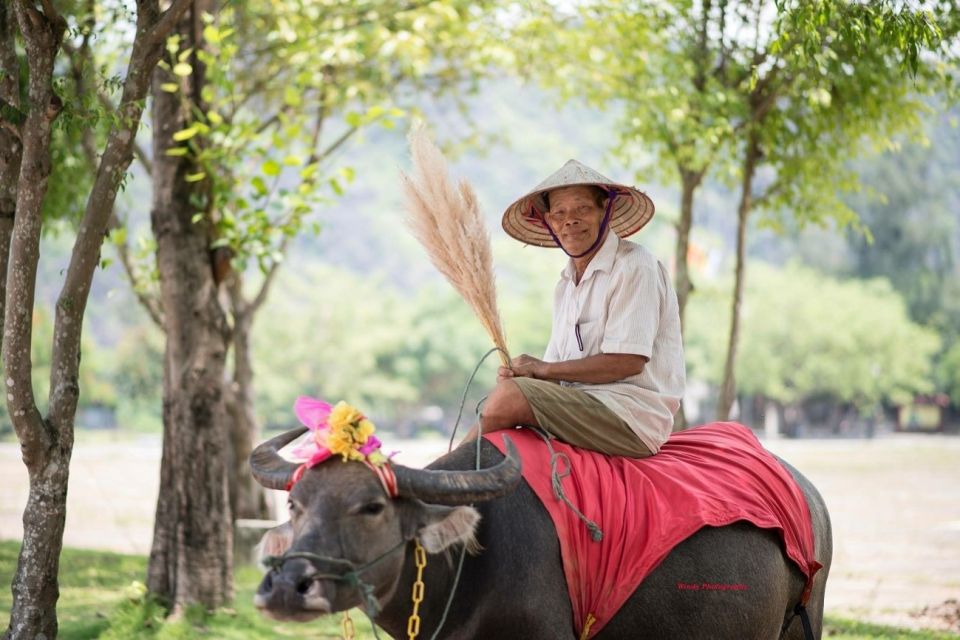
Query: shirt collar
x: 602, y: 260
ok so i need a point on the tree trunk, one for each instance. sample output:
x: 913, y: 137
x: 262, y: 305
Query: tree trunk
x: 690, y: 180
x: 247, y: 498
x: 35, y: 585
x: 728, y: 388
x: 47, y: 444
x: 191, y: 560
x: 46, y: 455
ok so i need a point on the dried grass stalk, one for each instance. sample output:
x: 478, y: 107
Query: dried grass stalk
x: 448, y: 223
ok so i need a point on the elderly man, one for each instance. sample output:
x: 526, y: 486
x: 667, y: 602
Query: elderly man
x: 613, y: 373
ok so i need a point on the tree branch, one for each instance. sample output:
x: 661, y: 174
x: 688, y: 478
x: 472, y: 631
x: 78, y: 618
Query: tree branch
x: 699, y: 79
x: 78, y: 57
x: 42, y: 38
x: 9, y: 66
x: 773, y: 189
x: 138, y: 151
x: 268, y: 280
x: 149, y: 303
x: 51, y: 12
x: 114, y: 162
x: 336, y: 144
x: 10, y: 150
x: 162, y: 27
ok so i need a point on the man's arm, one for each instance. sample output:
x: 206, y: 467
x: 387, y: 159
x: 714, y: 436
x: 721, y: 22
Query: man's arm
x: 602, y: 368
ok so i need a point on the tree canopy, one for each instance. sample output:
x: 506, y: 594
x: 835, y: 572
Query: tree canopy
x: 809, y: 334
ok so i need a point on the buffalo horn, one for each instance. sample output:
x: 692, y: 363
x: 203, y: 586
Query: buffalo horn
x: 266, y: 465
x: 461, y: 487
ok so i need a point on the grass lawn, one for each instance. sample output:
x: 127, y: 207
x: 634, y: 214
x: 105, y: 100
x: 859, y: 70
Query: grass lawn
x: 101, y: 596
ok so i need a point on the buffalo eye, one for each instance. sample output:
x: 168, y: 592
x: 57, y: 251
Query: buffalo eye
x: 372, y: 509
x: 292, y: 508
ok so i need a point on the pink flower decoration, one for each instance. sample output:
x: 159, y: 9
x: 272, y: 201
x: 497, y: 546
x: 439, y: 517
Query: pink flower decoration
x: 319, y: 455
x: 312, y: 413
x: 371, y: 445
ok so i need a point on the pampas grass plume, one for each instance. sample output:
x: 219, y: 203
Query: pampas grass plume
x: 446, y: 219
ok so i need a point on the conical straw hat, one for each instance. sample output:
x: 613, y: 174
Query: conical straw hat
x: 524, y: 218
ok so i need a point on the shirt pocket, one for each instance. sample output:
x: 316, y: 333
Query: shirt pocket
x: 588, y: 335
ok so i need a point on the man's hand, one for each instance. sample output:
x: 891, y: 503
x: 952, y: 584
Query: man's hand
x: 602, y: 368
x: 523, y: 366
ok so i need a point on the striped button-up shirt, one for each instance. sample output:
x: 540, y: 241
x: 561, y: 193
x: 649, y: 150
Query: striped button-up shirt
x: 626, y: 304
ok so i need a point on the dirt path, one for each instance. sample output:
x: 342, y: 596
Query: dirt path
x: 895, y: 504
x: 895, y: 507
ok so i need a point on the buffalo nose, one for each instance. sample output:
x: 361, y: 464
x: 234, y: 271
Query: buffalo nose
x: 284, y: 593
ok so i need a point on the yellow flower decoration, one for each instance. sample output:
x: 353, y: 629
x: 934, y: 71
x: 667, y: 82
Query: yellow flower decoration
x: 349, y: 430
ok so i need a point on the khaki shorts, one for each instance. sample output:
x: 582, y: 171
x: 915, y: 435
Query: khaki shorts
x: 575, y: 417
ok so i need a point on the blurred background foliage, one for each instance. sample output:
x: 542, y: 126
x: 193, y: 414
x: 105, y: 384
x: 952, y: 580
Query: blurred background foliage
x: 360, y: 314
x: 861, y: 312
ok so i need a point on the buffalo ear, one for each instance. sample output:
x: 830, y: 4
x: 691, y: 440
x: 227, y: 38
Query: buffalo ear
x: 439, y: 527
x: 275, y: 542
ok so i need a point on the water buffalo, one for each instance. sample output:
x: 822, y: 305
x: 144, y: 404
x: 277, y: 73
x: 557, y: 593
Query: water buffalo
x: 512, y: 585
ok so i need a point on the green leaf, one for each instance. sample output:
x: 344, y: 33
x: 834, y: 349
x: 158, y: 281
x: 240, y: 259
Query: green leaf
x: 353, y: 119
x: 182, y: 69
x: 119, y: 236
x: 335, y: 185
x: 293, y: 160
x: 215, y: 118
x: 177, y: 151
x: 291, y: 96
x: 308, y: 171
x: 173, y: 43
x: 195, y: 177
x: 170, y: 87
x: 348, y: 173
x: 211, y: 34
x: 185, y: 134
x: 271, y: 168
x: 197, y: 217
x: 259, y: 185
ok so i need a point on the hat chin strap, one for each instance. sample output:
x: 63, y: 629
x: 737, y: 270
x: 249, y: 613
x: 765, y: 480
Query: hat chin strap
x: 612, y: 195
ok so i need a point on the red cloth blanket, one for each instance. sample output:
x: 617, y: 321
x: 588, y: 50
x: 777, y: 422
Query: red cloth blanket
x: 712, y: 475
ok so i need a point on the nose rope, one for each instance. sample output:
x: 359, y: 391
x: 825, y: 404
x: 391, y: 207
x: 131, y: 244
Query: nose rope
x: 351, y: 576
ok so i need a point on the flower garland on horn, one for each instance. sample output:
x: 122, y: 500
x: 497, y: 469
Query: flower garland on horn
x: 342, y: 430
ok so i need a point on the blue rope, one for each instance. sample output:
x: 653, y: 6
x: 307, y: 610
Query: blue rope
x: 556, y: 482
x: 477, y: 411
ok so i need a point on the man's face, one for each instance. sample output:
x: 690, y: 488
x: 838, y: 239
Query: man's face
x: 575, y: 218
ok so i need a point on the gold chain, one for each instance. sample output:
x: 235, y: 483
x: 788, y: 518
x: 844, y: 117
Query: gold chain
x: 347, y: 625
x: 413, y: 624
